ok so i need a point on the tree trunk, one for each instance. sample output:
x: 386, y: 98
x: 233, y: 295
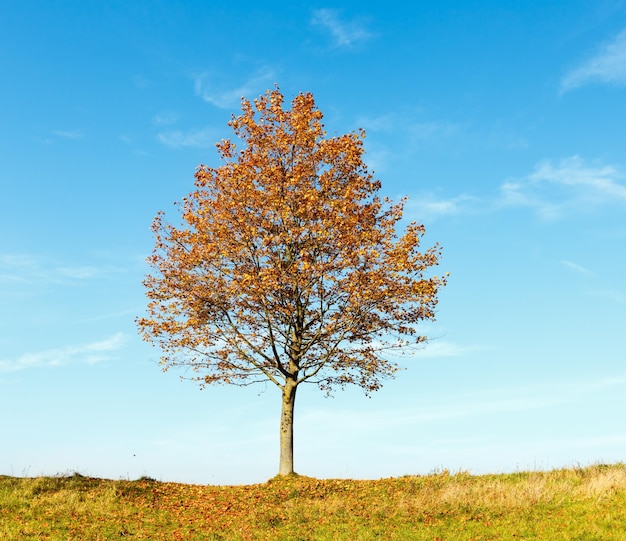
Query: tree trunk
x: 286, y: 429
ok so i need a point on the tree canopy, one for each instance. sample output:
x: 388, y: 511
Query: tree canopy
x: 286, y: 265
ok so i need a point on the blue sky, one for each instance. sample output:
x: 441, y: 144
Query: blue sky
x: 504, y: 123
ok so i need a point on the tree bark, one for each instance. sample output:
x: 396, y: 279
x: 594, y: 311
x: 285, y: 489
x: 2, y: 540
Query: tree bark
x: 286, y: 428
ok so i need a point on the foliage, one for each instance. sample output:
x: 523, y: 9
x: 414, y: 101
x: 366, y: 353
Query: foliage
x: 287, y: 266
x: 582, y: 503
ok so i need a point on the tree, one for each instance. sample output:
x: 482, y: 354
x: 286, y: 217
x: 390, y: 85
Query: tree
x: 286, y: 265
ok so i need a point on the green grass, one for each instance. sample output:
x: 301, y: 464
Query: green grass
x: 572, y: 504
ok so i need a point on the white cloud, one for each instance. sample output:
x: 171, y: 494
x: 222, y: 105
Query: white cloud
x: 378, y: 158
x: 428, y: 207
x: 29, y: 269
x: 180, y: 139
x: 141, y: 81
x: 570, y: 185
x: 598, y: 181
x: 17, y: 268
x: 90, y: 353
x: 78, y: 273
x: 612, y: 295
x: 416, y: 131
x: 576, y: 267
x: 383, y: 123
x: 165, y: 118
x: 214, y: 92
x: 69, y: 134
x: 18, y: 260
x: 552, y: 190
x: 440, y: 348
x: 481, y: 403
x: 433, y: 130
x: 112, y: 315
x: 409, y: 416
x: 344, y: 34
x: 608, y: 66
x: 518, y: 194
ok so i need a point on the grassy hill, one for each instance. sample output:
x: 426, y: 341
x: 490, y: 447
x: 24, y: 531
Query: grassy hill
x: 573, y: 504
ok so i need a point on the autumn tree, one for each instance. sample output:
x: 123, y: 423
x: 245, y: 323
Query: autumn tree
x: 286, y: 265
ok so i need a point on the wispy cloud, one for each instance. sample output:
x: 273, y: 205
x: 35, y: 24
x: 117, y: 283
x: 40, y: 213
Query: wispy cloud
x: 440, y: 348
x: 427, y: 206
x: 552, y: 190
x: 165, y: 118
x: 189, y: 139
x: 433, y: 130
x: 429, y: 349
x: 464, y: 407
x: 69, y: 134
x: 607, y: 66
x: 417, y: 131
x: 90, y: 353
x: 29, y: 269
x: 482, y: 403
x: 383, y: 123
x: 213, y: 91
x: 612, y: 295
x: 343, y: 33
x: 576, y: 267
x: 112, y: 315
x: 599, y: 182
x: 78, y: 273
x: 141, y: 81
x: 571, y: 184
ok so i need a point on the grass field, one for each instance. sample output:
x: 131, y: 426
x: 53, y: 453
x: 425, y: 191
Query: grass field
x: 575, y: 504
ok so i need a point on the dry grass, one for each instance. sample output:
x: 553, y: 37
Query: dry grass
x: 581, y: 504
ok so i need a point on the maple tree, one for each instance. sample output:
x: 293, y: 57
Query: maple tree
x: 286, y: 265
